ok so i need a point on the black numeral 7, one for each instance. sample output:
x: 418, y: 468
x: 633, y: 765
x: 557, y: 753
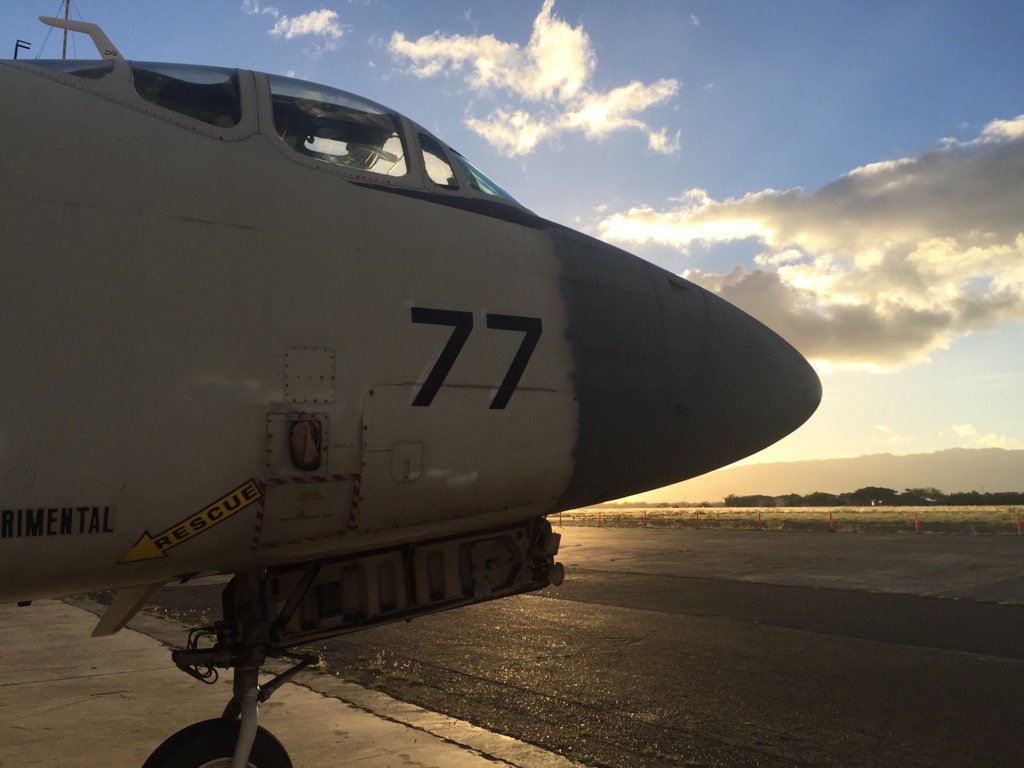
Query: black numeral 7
x: 462, y: 323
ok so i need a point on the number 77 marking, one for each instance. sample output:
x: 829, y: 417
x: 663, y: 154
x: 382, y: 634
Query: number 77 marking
x: 462, y: 323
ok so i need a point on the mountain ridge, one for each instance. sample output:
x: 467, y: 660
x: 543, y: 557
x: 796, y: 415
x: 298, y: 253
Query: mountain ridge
x: 949, y: 470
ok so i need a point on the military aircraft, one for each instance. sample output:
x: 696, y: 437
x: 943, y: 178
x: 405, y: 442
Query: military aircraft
x: 266, y: 328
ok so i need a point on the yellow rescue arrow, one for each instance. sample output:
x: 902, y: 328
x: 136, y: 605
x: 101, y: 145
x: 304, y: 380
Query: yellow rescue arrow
x: 149, y: 546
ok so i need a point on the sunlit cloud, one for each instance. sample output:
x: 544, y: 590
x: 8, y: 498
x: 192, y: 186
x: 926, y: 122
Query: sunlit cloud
x: 323, y: 24
x: 548, y: 79
x: 682, y: 224
x: 999, y: 130
x: 662, y: 142
x: 992, y: 440
x: 515, y: 133
x: 878, y: 269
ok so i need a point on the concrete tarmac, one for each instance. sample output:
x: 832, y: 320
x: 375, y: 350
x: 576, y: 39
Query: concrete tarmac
x: 982, y: 568
x: 731, y: 648
x: 72, y: 701
x: 669, y: 647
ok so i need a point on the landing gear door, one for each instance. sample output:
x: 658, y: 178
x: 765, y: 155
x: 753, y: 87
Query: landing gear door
x: 305, y: 500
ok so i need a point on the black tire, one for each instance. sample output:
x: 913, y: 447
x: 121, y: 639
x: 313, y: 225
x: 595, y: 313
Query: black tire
x: 210, y: 740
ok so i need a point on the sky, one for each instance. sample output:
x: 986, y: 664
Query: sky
x: 852, y: 174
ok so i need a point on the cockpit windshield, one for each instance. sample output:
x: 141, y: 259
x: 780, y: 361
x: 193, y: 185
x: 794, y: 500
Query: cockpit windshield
x: 337, y: 127
x: 208, y: 94
x: 479, y: 182
x: 341, y: 128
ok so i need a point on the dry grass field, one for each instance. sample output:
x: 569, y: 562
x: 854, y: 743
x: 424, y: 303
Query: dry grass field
x: 930, y: 519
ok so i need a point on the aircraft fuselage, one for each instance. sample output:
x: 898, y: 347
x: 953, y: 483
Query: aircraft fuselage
x: 221, y: 354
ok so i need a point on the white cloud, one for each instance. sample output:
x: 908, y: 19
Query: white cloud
x: 992, y: 440
x: 512, y: 134
x: 661, y: 142
x: 255, y: 8
x: 694, y: 20
x: 555, y: 64
x: 552, y: 74
x: 881, y: 166
x: 598, y: 114
x: 879, y: 268
x: 320, y: 23
x: 681, y: 225
x: 1000, y: 130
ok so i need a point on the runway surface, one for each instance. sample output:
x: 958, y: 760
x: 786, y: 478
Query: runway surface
x: 729, y: 648
x: 71, y: 701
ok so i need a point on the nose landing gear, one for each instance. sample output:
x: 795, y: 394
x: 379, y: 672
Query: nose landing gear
x: 234, y: 740
x: 267, y: 612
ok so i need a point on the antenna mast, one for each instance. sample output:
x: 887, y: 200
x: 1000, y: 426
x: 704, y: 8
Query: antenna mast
x: 67, y: 8
x: 99, y: 38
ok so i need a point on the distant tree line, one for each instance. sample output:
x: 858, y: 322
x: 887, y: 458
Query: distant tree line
x: 874, y: 496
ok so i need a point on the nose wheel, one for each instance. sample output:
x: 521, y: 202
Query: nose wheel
x: 212, y: 743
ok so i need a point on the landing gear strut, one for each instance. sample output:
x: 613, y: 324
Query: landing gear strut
x: 234, y: 740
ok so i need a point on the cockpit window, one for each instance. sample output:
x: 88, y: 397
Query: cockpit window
x: 438, y: 169
x: 479, y: 182
x: 336, y: 127
x: 92, y: 70
x: 209, y: 94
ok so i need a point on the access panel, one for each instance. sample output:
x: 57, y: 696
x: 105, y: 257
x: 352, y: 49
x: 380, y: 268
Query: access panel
x: 459, y: 456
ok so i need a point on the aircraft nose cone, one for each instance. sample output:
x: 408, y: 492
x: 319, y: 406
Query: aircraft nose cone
x: 671, y: 380
x: 755, y: 388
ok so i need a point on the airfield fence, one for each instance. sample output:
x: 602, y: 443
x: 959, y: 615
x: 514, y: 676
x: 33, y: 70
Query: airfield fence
x: 925, y: 519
